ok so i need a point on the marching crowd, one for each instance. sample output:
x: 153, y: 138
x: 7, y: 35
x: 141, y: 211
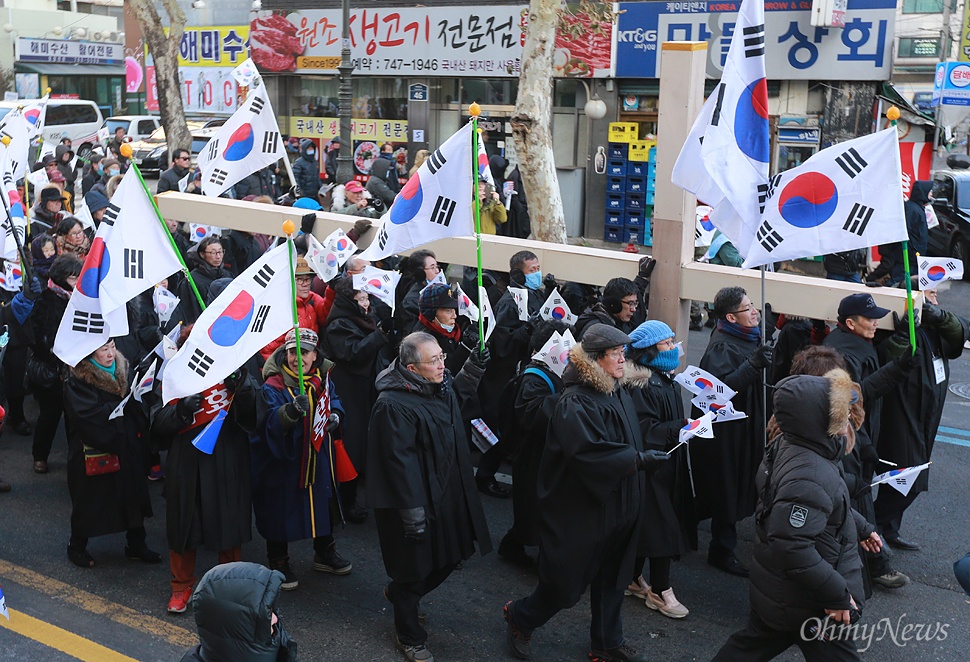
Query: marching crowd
x: 361, y: 411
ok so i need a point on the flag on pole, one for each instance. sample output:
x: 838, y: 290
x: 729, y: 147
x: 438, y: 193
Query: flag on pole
x: 16, y: 127
x: 701, y: 427
x: 486, y: 312
x: 556, y: 308
x: 245, y: 72
x: 84, y: 327
x: 465, y: 305
x: 165, y: 303
x: 35, y: 112
x: 484, y: 172
x: 378, y: 282
x: 255, y: 309
x: 327, y: 258
x: 902, y: 479
x: 726, y: 412
x: 935, y: 270
x: 14, y: 222
x: 198, y: 232
x: 434, y: 204
x: 845, y: 197
x: 82, y: 213
x: 247, y: 142
x: 12, y: 278
x: 39, y: 179
x: 703, y: 229
x: 520, y: 296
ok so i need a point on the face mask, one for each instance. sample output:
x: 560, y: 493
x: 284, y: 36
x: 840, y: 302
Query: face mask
x: 447, y: 327
x: 666, y: 360
x: 113, y: 172
x: 533, y: 280
x: 311, y: 152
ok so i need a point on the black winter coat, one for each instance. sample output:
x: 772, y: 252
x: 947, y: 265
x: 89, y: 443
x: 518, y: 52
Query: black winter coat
x: 203, y: 275
x: 806, y: 555
x: 44, y: 320
x: 242, y: 250
x: 382, y: 182
x: 259, y: 183
x: 418, y: 457
x: 306, y: 171
x: 724, y: 467
x: 456, y: 350
x: 169, y: 180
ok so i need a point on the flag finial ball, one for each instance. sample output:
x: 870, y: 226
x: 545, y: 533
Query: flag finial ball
x: 892, y: 114
x: 125, y: 150
x: 288, y: 227
x: 5, y: 140
x: 474, y: 110
x: 47, y: 91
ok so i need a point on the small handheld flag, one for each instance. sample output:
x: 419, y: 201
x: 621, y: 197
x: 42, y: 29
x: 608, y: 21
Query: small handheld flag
x: 935, y: 270
x: 378, y: 282
x: 699, y: 381
x: 521, y: 297
x: 556, y: 308
x: 902, y: 480
x: 3, y: 605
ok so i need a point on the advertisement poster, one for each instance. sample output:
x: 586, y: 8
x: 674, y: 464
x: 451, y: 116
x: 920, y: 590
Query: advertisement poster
x: 204, y: 89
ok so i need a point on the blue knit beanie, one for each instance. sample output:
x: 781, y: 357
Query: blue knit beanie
x: 308, y: 203
x: 650, y: 333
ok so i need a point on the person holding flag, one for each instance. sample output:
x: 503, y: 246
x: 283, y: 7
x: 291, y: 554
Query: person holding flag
x: 207, y: 494
x: 493, y: 212
x: 418, y: 270
x: 310, y: 308
x: 293, y: 457
x: 438, y: 317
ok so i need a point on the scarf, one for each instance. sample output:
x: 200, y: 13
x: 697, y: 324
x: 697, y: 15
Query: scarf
x: 666, y: 360
x: 454, y: 334
x: 58, y: 290
x: 110, y: 370
x: 738, y: 331
x: 313, y: 386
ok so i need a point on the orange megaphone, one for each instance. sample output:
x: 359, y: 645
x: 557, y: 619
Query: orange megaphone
x: 343, y: 467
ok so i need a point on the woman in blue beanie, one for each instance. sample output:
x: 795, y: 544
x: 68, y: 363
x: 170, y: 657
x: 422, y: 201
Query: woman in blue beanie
x: 651, y: 359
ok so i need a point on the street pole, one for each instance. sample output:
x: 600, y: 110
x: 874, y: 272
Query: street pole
x: 944, y: 56
x: 345, y: 171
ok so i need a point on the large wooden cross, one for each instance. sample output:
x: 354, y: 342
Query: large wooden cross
x: 677, y: 278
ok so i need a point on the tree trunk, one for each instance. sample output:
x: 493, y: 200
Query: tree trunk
x: 532, y: 124
x: 165, y: 50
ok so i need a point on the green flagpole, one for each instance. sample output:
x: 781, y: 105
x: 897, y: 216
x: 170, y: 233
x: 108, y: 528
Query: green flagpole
x: 289, y: 227
x: 893, y: 114
x: 475, y: 110
x: 126, y: 152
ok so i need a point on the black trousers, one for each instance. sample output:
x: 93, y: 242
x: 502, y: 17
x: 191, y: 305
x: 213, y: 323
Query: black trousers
x: 890, y: 506
x: 135, y: 538
x: 724, y: 538
x: 51, y: 403
x: 405, y: 596
x: 759, y: 642
x: 279, y: 550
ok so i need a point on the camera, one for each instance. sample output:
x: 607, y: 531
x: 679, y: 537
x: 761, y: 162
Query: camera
x: 376, y: 204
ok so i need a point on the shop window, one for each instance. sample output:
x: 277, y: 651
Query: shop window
x: 926, y: 6
x: 373, y: 98
x: 565, y: 93
x: 489, y: 92
x: 919, y: 47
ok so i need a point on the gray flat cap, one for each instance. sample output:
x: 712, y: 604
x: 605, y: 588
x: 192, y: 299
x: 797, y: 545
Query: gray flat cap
x: 603, y: 336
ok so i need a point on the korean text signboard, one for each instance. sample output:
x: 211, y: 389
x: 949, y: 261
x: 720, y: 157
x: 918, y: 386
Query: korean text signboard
x: 795, y: 50
x: 68, y: 52
x: 951, y: 87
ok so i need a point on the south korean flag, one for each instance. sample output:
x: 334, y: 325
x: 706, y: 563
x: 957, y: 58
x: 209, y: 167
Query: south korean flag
x: 935, y: 270
x: 378, y: 282
x: 555, y: 308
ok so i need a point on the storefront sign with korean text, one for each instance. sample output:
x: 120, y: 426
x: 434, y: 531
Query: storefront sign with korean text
x: 211, y: 46
x: 360, y: 129
x: 795, y: 50
x: 68, y: 52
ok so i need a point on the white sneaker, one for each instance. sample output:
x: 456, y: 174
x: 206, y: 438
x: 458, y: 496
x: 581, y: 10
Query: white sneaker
x: 666, y: 603
x: 638, y: 588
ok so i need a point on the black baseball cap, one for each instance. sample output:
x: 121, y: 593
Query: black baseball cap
x: 861, y: 304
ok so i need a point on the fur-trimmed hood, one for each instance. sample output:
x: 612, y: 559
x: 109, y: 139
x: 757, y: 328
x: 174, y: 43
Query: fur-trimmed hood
x: 90, y: 374
x: 582, y: 369
x: 814, y: 411
x: 635, y: 375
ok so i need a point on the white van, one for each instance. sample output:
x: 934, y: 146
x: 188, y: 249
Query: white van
x: 76, y: 119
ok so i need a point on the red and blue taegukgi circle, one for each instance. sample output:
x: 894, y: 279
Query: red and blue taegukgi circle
x: 240, y: 143
x: 936, y: 272
x: 408, y: 202
x: 558, y: 313
x: 751, y: 121
x: 342, y: 244
x: 95, y: 269
x: 808, y: 200
x: 230, y: 326
x: 704, y: 383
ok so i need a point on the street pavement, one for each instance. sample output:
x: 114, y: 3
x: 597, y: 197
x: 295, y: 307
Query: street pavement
x: 116, y: 611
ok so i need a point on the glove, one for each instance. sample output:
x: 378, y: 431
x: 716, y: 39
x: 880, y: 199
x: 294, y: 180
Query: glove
x: 187, y: 406
x: 761, y: 358
x: 34, y: 289
x: 470, y: 337
x: 414, y: 523
x: 299, y: 407
x: 306, y: 223
x: 647, y: 265
x: 233, y: 381
x: 908, y: 360
x: 648, y: 460
x: 933, y: 314
x: 481, y: 356
x: 549, y: 281
x: 362, y: 225
x: 873, y: 283
x: 295, y: 192
x: 333, y: 422
x: 387, y: 325
x: 901, y: 324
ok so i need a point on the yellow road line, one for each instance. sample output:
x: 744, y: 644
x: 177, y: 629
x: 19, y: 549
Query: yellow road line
x: 95, y: 604
x: 60, y: 639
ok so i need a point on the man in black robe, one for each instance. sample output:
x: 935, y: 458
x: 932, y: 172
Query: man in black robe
x: 724, y: 467
x: 590, y: 492
x: 420, y: 481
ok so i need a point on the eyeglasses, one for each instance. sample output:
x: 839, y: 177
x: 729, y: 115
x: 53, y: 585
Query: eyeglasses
x: 183, y: 158
x: 743, y: 310
x: 435, y: 360
x: 614, y: 353
x: 304, y: 279
x: 76, y: 233
x: 433, y: 267
x: 631, y: 304
x: 216, y: 252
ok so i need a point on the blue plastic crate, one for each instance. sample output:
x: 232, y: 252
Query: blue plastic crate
x: 635, y: 201
x: 618, y: 151
x: 613, y: 234
x: 648, y: 199
x: 636, y: 185
x: 637, y: 169
x: 633, y: 219
x: 615, y: 219
x: 615, y: 184
x: 616, y: 168
x: 615, y: 201
x: 632, y: 235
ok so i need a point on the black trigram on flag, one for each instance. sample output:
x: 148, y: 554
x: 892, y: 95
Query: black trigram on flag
x: 951, y: 266
x: 87, y: 322
x: 264, y: 275
x: 436, y: 161
x: 218, y: 176
x: 134, y: 263
x: 754, y: 40
x: 14, y: 165
x: 257, y: 106
x: 851, y: 162
x: 382, y: 238
x: 768, y: 237
x: 444, y: 208
x: 716, y: 115
x: 259, y: 320
x: 212, y: 150
x: 858, y: 219
x: 767, y: 191
x: 270, y: 140
x: 200, y: 362
x: 111, y: 214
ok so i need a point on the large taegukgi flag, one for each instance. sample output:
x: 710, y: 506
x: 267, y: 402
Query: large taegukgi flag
x: 725, y: 160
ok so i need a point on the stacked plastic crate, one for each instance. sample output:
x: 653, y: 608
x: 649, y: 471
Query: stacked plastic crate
x: 618, y: 197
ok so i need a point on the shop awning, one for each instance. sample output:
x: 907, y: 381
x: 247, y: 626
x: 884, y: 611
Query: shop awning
x: 911, y: 113
x: 71, y: 69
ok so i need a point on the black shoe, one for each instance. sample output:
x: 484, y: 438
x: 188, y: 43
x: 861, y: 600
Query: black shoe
x: 332, y: 562
x: 899, y: 543
x: 622, y: 653
x: 79, y: 556
x: 493, y: 488
x: 519, y: 641
x: 729, y: 564
x: 355, y: 514
x: 143, y: 554
x: 4, y: 486
x: 514, y: 553
x: 290, y: 582
x: 415, y: 653
x: 23, y: 429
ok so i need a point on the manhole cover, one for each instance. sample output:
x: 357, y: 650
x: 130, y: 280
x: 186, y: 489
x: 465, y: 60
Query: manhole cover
x: 963, y: 390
